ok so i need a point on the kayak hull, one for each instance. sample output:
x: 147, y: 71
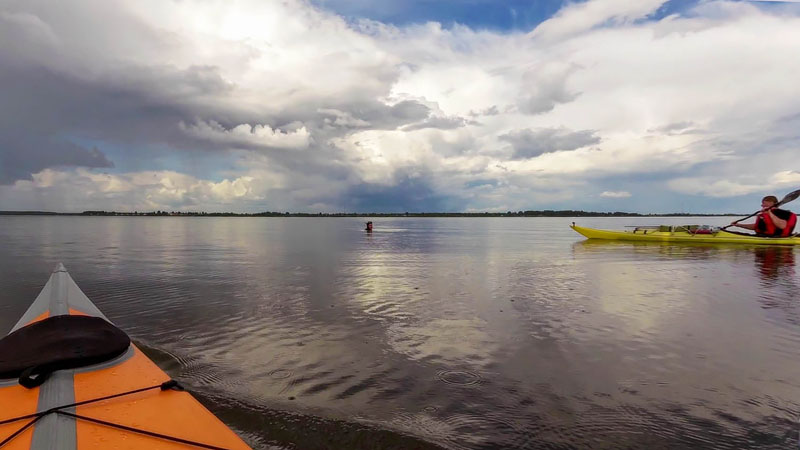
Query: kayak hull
x: 650, y: 235
x: 171, y: 413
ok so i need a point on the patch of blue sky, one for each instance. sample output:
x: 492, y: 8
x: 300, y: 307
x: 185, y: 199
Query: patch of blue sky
x: 673, y: 7
x: 775, y: 6
x: 479, y: 183
x: 685, y: 7
x: 126, y: 159
x: 499, y: 15
x: 213, y: 167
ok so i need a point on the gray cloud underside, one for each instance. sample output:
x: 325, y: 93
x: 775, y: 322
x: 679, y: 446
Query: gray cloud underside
x: 42, y: 110
x: 21, y: 156
x: 678, y: 128
x: 47, y: 111
x: 441, y: 123
x: 532, y: 143
x: 543, y: 91
x: 410, y: 194
x: 312, y: 112
x: 377, y: 115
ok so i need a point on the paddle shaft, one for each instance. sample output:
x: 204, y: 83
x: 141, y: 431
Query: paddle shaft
x: 745, y: 218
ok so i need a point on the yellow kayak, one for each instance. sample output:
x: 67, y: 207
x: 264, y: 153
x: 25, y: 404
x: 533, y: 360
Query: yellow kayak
x: 69, y: 379
x: 688, y: 233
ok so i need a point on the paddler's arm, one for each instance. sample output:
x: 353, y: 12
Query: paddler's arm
x: 749, y: 226
x: 780, y: 223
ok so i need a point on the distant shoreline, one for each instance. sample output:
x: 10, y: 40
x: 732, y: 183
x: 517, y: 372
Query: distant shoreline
x: 542, y: 213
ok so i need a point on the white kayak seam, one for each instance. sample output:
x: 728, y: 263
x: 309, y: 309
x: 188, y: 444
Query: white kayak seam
x: 56, y: 431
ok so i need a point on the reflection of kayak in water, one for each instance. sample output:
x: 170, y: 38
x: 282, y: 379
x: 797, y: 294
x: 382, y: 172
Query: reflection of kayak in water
x: 689, y: 233
x: 71, y: 379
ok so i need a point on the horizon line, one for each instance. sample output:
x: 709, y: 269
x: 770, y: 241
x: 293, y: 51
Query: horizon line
x: 544, y: 212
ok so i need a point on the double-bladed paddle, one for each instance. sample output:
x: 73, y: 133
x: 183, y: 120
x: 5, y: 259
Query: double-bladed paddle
x: 788, y: 198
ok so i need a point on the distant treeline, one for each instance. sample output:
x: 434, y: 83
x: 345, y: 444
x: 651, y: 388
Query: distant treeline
x: 541, y: 213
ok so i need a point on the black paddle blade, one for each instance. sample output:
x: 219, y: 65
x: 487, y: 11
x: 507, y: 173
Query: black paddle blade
x: 789, y: 197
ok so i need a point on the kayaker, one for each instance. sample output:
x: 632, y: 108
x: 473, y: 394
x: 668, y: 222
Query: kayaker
x: 771, y: 221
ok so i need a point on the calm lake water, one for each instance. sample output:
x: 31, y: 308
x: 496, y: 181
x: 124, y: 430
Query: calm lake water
x: 457, y: 333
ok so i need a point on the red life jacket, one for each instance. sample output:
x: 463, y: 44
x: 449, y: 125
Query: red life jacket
x: 765, y: 225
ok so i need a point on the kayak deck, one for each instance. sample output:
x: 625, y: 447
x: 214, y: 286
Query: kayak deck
x: 174, y: 414
x: 682, y: 234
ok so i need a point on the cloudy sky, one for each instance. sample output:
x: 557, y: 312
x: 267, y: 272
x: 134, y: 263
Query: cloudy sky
x: 420, y: 105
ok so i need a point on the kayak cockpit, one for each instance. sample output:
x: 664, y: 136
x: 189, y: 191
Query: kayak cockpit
x: 35, y: 351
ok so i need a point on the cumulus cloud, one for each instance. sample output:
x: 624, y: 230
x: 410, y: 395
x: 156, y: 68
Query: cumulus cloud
x: 544, y: 88
x: 297, y: 102
x: 390, y: 116
x: 442, y: 123
x: 490, y: 111
x: 714, y: 188
x: 380, y: 114
x: 532, y: 143
x: 337, y: 118
x: 581, y: 17
x: 737, y: 185
x: 148, y: 190
x: 787, y: 177
x: 248, y: 135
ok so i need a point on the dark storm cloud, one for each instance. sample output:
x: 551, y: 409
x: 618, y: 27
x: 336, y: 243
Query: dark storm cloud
x: 141, y: 105
x: 46, y: 113
x: 532, y: 143
x: 373, y: 115
x: 144, y: 107
x: 43, y: 111
x: 21, y: 157
x: 335, y: 120
x: 51, y: 109
x: 409, y: 194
